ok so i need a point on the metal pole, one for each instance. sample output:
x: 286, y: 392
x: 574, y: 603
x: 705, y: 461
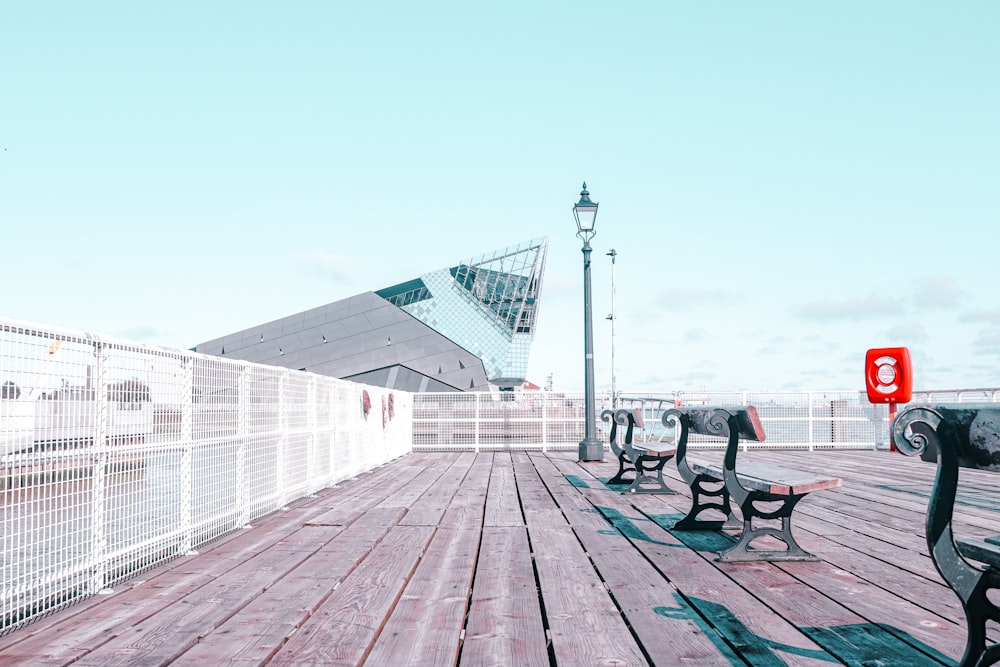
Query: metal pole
x: 613, y: 316
x: 591, y: 449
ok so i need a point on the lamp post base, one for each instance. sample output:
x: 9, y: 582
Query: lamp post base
x: 591, y: 449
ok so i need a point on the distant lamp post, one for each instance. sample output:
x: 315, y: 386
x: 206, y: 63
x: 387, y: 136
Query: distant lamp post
x: 585, y: 212
x: 613, y: 316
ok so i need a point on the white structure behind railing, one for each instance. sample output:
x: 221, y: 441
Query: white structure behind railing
x: 545, y: 421
x: 116, y: 456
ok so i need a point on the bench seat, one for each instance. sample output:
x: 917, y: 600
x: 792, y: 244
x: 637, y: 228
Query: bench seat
x: 772, y: 479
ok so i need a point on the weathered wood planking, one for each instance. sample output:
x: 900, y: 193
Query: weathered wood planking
x: 907, y: 596
x: 161, y: 638
x: 258, y: 630
x: 503, y: 506
x: 612, y: 580
x: 429, y: 508
x: 584, y: 624
x: 505, y: 625
x: 540, y: 510
x: 426, y: 625
x: 467, y: 507
x: 709, y: 597
x: 669, y: 631
x: 344, y: 628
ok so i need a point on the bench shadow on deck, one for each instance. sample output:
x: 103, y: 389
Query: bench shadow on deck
x: 531, y: 559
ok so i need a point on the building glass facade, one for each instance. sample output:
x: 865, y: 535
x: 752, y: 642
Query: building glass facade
x: 487, y: 305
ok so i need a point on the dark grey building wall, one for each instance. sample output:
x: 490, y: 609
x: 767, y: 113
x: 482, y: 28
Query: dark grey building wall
x: 364, y: 338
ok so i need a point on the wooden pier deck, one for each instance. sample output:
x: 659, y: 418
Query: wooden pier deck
x: 530, y: 559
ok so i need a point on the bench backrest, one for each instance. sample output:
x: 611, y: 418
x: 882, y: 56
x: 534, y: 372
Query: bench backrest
x: 632, y: 417
x: 714, y: 420
x: 967, y: 434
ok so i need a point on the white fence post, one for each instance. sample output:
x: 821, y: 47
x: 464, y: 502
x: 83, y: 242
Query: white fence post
x: 242, y: 439
x: 187, y: 445
x: 812, y: 422
x: 279, y: 472
x: 312, y: 459
x: 545, y: 421
x: 99, y: 454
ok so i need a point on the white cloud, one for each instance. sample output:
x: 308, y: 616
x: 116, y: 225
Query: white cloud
x: 987, y: 315
x: 831, y: 310
x: 988, y: 341
x: 937, y: 292
x: 141, y: 333
x: 338, y: 268
x: 913, y: 332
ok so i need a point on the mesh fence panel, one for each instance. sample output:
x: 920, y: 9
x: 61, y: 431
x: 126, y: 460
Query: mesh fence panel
x: 116, y: 456
x: 545, y: 420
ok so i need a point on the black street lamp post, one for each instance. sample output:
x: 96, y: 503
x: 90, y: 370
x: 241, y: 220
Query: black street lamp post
x: 585, y: 212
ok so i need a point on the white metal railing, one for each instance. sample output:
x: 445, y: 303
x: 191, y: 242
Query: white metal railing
x: 115, y: 456
x: 546, y: 420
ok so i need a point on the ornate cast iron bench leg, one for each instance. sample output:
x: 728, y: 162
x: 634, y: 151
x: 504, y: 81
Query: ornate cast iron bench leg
x: 649, y: 470
x: 702, y: 487
x: 625, y: 465
x: 742, y: 552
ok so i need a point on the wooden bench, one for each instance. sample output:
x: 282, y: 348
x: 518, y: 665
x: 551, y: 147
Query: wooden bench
x: 962, y: 436
x: 716, y: 487
x: 645, y: 461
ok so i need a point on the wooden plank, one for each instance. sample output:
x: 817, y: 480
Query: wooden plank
x: 429, y: 508
x: 162, y: 638
x: 858, y: 620
x: 843, y: 633
x: 503, y: 506
x: 505, y: 625
x: 565, y: 491
x: 660, y: 451
x: 426, y: 625
x: 539, y: 508
x: 154, y: 591
x: 255, y: 633
x: 585, y: 626
x: 769, y: 478
x: 467, y: 507
x: 668, y: 629
x: 352, y: 498
x: 344, y: 628
x: 68, y: 637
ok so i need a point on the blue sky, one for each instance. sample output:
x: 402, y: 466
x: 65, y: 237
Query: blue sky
x: 787, y: 184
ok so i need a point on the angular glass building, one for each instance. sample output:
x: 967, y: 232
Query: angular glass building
x: 461, y: 328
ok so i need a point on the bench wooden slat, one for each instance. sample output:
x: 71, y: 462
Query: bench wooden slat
x: 770, y: 478
x: 982, y: 550
x: 662, y: 449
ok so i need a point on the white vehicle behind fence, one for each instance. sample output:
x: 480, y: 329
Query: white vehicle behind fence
x: 36, y: 424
